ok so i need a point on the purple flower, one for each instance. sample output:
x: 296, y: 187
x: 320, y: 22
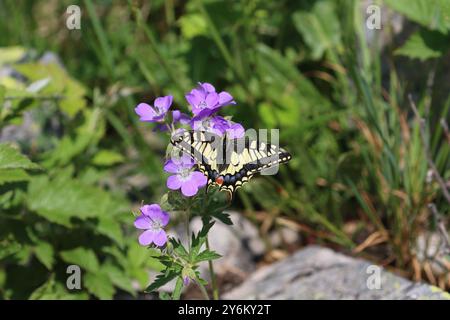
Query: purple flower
x: 179, y: 117
x: 186, y: 281
x: 184, y: 176
x: 204, y: 99
x: 219, y: 126
x: 152, y: 220
x: 149, y: 114
x: 235, y: 130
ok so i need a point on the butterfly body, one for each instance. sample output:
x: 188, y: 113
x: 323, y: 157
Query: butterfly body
x: 229, y: 163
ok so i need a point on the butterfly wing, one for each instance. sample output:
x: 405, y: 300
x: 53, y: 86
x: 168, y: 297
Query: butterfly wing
x: 229, y: 163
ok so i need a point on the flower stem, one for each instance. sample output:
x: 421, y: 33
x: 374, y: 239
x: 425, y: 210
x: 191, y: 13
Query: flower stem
x: 213, y: 275
x: 188, y: 232
x: 203, y: 290
x: 177, y: 291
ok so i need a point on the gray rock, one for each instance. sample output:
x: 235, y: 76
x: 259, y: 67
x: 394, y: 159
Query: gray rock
x: 431, y: 248
x: 320, y: 273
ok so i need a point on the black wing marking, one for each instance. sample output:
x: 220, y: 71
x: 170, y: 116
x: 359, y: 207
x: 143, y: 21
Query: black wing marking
x: 236, y: 161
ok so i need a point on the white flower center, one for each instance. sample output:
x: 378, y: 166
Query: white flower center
x: 202, y: 105
x: 156, y: 224
x: 184, y: 173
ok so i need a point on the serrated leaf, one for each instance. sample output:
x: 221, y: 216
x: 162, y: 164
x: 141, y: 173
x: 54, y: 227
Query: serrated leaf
x: 179, y: 248
x: 52, y: 290
x: 11, y: 158
x: 118, y: 278
x: 433, y: 14
x: 61, y: 199
x: 99, y: 285
x: 223, y: 217
x: 199, y: 239
x: 9, y: 247
x: 13, y: 175
x: 45, y: 254
x: 161, y: 280
x: 319, y: 27
x: 110, y: 227
x: 60, y: 83
x: 85, y: 258
x: 425, y: 44
x: 206, y: 256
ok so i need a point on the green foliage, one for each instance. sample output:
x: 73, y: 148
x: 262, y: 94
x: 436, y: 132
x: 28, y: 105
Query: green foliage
x: 425, y: 45
x: 54, y: 210
x: 81, y: 158
x: 433, y: 14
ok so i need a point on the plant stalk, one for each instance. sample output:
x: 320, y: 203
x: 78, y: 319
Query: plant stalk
x: 213, y: 275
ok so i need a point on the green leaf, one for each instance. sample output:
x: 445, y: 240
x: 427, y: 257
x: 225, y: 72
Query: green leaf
x: 52, y: 290
x: 110, y: 227
x: 179, y: 248
x: 206, y: 256
x: 45, y: 254
x: 161, y: 280
x: 193, y: 25
x: 118, y: 277
x: 223, y: 217
x: 319, y: 27
x: 13, y: 175
x: 425, y: 44
x: 2, y: 98
x: 61, y: 199
x: 107, y: 158
x: 11, y: 54
x: 164, y: 295
x: 61, y: 84
x: 199, y: 239
x: 99, y: 284
x: 9, y: 247
x: 85, y: 258
x: 11, y: 158
x: 433, y: 14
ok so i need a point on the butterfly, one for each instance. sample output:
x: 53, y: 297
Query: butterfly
x: 228, y: 163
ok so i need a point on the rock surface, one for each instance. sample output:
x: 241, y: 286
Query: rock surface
x: 320, y: 273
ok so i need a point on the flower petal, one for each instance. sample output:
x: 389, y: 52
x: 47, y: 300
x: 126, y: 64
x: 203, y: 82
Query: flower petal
x: 145, y: 112
x: 208, y: 87
x: 160, y: 238
x: 212, y: 100
x: 160, y: 216
x: 148, y: 210
x: 171, y: 167
x: 173, y: 182
x: 193, y: 100
x: 180, y: 117
x: 142, y: 222
x: 163, y: 103
x: 189, y: 188
x: 199, y: 179
x: 236, y: 131
x: 146, y: 237
x: 225, y: 98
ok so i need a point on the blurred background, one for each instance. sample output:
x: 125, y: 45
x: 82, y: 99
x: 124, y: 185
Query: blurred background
x: 75, y: 161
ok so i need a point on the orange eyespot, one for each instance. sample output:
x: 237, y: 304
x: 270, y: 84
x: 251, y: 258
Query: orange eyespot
x: 219, y: 180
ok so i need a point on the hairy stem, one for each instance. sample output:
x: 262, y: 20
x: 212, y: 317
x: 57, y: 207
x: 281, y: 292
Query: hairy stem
x: 203, y: 290
x: 177, y: 291
x: 213, y: 275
